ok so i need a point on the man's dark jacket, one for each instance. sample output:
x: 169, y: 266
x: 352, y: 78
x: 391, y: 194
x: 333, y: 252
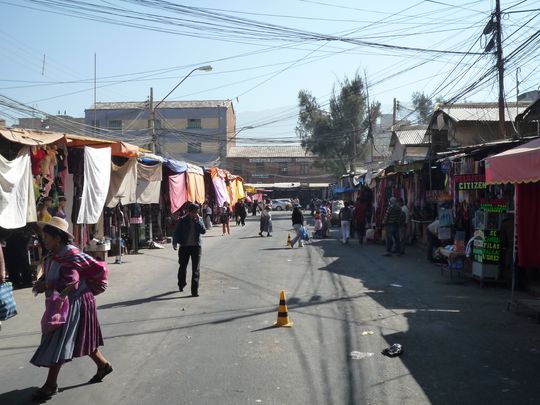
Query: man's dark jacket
x: 180, y: 234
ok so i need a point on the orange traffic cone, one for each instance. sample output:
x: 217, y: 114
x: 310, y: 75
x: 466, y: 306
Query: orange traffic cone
x: 283, y: 315
x: 289, y: 240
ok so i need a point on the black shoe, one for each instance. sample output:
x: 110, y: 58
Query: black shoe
x: 101, y: 373
x: 260, y: 234
x: 44, y: 393
x: 194, y: 294
x: 181, y: 288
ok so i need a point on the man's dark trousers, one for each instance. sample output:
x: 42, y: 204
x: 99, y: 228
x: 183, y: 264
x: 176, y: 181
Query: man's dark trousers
x: 184, y: 254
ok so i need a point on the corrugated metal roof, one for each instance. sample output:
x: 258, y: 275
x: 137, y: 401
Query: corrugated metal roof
x: 137, y: 105
x: 267, y: 151
x: 411, y: 135
x: 482, y: 111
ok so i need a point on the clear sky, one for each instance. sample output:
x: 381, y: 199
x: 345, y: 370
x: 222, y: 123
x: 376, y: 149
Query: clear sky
x: 262, y: 52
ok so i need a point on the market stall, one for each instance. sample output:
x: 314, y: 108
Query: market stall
x: 520, y: 167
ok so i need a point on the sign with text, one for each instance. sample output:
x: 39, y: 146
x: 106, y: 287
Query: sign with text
x: 433, y: 196
x: 493, y: 205
x: 470, y: 182
x: 487, y: 247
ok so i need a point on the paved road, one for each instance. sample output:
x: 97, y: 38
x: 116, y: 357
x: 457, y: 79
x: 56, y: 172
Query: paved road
x: 461, y: 345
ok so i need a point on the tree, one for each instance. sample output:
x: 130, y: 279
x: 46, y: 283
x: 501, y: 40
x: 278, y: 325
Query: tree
x: 423, y: 106
x: 336, y: 135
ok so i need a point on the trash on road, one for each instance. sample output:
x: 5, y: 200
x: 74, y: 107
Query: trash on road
x: 393, y: 351
x: 360, y: 355
x: 367, y: 332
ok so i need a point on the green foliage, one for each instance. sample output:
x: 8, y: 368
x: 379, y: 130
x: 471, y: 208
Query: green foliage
x: 423, y: 106
x: 332, y: 134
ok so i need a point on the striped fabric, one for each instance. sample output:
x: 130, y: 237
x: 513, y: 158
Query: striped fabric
x: 8, y: 308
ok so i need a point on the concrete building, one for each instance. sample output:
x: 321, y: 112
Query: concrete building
x: 194, y: 131
x: 53, y: 123
x: 275, y: 164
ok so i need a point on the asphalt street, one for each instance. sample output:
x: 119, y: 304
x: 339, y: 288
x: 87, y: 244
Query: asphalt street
x: 347, y: 302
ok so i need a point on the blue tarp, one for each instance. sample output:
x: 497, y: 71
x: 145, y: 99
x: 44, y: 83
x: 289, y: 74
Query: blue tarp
x: 176, y: 166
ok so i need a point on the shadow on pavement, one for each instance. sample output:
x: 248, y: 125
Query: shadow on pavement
x: 139, y: 301
x: 19, y: 397
x: 460, y: 345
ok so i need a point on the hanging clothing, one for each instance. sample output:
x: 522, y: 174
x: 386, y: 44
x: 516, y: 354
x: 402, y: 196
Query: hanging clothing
x: 148, y: 183
x: 123, y: 183
x: 17, y: 200
x: 97, y: 175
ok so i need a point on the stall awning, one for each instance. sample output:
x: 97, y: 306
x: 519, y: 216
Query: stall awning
x: 517, y: 165
x: 30, y: 137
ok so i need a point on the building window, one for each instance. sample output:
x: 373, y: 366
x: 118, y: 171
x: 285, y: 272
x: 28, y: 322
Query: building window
x: 194, y: 123
x: 115, y: 125
x: 194, y: 147
x: 303, y: 168
x: 283, y: 168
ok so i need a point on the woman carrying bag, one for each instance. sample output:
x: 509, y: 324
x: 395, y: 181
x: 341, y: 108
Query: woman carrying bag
x: 73, y: 276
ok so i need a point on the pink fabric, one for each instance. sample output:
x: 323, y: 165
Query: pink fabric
x: 528, y: 224
x: 517, y: 165
x: 177, y: 191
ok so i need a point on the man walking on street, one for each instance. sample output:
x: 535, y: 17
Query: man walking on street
x: 391, y: 221
x: 345, y: 215
x: 187, y: 234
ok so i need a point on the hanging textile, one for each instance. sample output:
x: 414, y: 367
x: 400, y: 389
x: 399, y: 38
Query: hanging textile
x: 528, y: 223
x: 148, y: 183
x: 220, y: 188
x: 123, y: 184
x: 17, y: 200
x: 195, y: 185
x: 239, y: 188
x: 97, y: 177
x: 177, y: 191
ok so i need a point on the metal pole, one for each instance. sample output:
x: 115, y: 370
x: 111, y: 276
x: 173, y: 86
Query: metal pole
x: 118, y: 234
x: 152, y: 119
x: 500, y: 67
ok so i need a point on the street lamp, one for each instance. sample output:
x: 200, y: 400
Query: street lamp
x: 153, y: 108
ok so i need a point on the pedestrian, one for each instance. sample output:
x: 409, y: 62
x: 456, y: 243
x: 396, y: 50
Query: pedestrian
x: 391, y: 221
x: 243, y: 212
x: 226, y: 218
x: 318, y: 225
x: 207, y: 212
x: 403, y: 225
x: 60, y: 212
x: 298, y: 223
x: 266, y: 221
x: 43, y: 214
x: 254, y: 207
x: 187, y: 235
x: 359, y: 219
x: 325, y: 219
x: 237, y: 208
x: 345, y: 216
x: 67, y: 270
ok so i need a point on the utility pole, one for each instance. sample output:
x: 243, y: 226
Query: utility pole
x: 500, y: 67
x: 394, y: 113
x: 152, y: 119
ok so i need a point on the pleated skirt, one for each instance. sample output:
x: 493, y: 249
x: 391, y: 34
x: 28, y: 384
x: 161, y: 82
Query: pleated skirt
x: 80, y: 335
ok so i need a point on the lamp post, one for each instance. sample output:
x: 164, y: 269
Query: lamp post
x: 153, y: 108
